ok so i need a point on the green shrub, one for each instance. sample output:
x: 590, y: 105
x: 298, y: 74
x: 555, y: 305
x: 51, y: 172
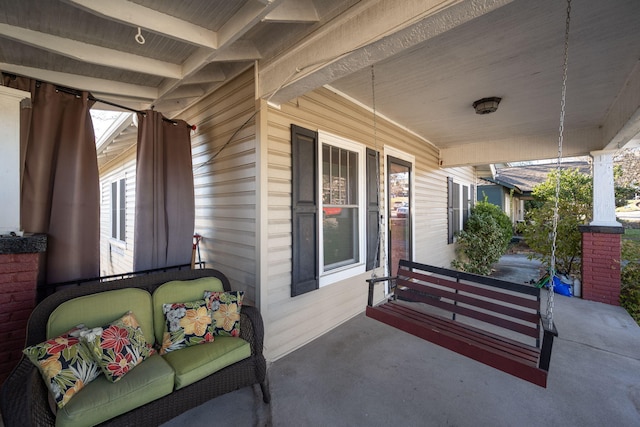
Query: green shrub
x: 630, y: 278
x: 574, y: 208
x: 484, y: 239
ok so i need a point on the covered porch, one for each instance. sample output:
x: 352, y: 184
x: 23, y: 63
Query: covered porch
x: 396, y: 78
x: 367, y: 373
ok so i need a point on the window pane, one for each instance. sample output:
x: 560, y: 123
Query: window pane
x: 340, y: 232
x: 336, y: 180
x: 339, y: 176
x: 456, y: 207
x: 352, y: 182
x: 326, y: 174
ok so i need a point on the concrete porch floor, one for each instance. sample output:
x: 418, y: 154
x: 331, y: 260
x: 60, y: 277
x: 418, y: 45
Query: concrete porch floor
x: 367, y: 373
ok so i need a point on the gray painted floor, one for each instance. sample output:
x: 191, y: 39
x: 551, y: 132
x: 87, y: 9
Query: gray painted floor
x: 367, y: 373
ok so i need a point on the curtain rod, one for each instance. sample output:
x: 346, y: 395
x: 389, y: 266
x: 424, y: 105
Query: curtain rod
x: 78, y: 93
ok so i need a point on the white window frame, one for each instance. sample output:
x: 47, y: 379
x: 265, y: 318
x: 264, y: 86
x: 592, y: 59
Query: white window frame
x: 342, y: 273
x: 122, y: 213
x: 469, y: 186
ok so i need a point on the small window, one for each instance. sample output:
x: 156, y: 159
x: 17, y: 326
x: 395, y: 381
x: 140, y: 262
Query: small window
x: 339, y: 206
x: 118, y: 214
x: 459, y: 206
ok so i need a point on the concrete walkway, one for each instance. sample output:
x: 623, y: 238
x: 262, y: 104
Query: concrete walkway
x: 367, y: 373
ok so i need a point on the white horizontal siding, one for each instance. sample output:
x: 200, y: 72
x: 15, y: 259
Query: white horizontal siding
x: 117, y: 257
x: 292, y: 322
x: 225, y: 186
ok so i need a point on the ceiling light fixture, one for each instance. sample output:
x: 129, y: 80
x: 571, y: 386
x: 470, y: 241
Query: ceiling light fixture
x: 486, y: 105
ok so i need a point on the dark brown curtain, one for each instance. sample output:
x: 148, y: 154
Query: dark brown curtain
x: 164, y: 193
x: 60, y: 186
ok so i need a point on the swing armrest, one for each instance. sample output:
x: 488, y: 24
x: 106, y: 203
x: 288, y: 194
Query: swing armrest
x: 375, y: 280
x: 548, y: 330
x: 381, y: 279
x: 547, y: 343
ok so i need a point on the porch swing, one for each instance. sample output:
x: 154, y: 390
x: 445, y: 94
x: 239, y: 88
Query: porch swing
x: 492, y: 321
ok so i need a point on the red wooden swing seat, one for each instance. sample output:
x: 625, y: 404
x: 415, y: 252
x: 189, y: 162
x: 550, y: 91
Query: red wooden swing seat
x: 495, y: 322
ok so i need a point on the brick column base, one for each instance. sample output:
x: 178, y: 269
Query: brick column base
x: 601, y: 247
x: 18, y: 281
x: 20, y: 259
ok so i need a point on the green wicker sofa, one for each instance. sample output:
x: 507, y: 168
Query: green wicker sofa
x: 158, y: 389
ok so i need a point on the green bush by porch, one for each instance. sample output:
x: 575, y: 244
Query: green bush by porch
x: 484, y: 240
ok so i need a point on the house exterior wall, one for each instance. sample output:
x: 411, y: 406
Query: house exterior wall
x: 500, y: 196
x: 225, y: 186
x: 117, y: 256
x: 293, y: 321
x: 243, y: 202
x: 493, y: 193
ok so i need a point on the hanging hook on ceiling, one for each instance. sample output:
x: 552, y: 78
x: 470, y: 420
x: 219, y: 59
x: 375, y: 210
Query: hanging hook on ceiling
x: 139, y: 37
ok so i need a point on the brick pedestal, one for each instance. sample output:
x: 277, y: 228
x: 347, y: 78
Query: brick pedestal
x: 19, y: 269
x: 601, y: 247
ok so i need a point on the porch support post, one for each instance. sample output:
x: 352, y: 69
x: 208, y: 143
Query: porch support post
x: 601, y: 239
x: 604, y: 206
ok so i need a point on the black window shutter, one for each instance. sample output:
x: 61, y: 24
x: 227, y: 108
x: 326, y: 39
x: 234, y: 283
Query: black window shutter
x: 466, y: 205
x: 450, y: 228
x: 373, y: 210
x: 472, y: 196
x: 304, y: 210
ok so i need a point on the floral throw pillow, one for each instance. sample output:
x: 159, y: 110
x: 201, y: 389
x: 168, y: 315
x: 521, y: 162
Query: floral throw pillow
x: 65, y: 365
x: 187, y: 324
x: 118, y: 347
x: 225, y: 308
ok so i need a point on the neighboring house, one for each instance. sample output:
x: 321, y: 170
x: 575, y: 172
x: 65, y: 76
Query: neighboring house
x: 527, y: 177
x: 504, y: 195
x: 511, y: 186
x: 116, y: 162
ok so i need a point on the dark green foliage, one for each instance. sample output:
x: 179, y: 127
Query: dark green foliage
x: 574, y: 209
x: 624, y: 194
x: 630, y: 278
x: 484, y: 240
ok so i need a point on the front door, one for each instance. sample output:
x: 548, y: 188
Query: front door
x: 399, y: 214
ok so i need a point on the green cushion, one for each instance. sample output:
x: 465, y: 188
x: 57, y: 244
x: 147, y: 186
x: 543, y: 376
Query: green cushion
x: 179, y: 291
x: 101, y: 400
x: 101, y: 309
x: 194, y: 363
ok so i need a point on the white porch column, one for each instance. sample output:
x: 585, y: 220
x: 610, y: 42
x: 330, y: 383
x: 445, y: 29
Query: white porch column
x: 604, y: 206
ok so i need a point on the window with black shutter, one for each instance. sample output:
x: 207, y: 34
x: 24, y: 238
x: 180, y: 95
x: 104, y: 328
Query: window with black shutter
x: 335, y: 213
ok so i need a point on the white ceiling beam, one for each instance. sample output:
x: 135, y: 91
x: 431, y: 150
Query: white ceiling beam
x: 242, y: 50
x: 188, y: 91
x: 622, y: 123
x: 577, y: 142
x: 211, y: 73
x: 76, y: 81
x: 294, y: 11
x: 245, y: 19
x: 139, y: 16
x: 91, y: 53
x: 367, y: 33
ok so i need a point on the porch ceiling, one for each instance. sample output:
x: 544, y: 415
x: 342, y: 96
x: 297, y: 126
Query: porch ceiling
x: 432, y: 59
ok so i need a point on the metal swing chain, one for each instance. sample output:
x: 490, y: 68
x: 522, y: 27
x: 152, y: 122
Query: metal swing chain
x: 375, y: 143
x: 554, y: 234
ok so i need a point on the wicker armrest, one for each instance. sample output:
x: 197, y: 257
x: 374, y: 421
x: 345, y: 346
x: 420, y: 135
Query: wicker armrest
x: 252, y: 328
x: 23, y: 381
